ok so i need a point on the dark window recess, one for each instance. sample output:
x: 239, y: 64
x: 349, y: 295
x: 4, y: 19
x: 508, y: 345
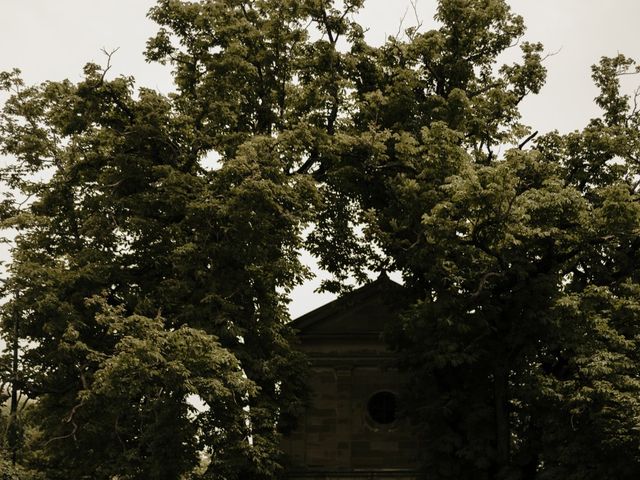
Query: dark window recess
x: 382, y: 407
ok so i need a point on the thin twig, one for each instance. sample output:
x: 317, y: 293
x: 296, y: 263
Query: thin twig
x: 551, y: 54
x: 414, y: 6
x: 402, y: 19
x: 109, y: 54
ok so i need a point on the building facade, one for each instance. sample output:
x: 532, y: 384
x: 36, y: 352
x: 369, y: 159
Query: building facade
x: 354, y: 426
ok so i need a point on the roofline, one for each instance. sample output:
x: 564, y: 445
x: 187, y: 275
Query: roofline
x: 355, y: 296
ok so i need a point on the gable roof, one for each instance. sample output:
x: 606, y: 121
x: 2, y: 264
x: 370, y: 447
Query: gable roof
x: 364, y: 311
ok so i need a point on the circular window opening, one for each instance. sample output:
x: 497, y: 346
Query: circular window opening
x: 382, y: 407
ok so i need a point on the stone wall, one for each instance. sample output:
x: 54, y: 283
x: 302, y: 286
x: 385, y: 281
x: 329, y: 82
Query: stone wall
x: 337, y: 433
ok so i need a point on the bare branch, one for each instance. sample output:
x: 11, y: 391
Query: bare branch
x: 634, y: 111
x: 401, y: 24
x: 24, y: 403
x: 551, y: 54
x: 527, y: 140
x: 516, y: 42
x: 21, y: 204
x: 419, y: 22
x: 63, y: 437
x: 622, y: 73
x: 325, y: 21
x: 116, y: 428
x: 410, y: 32
x: 483, y: 282
x: 349, y: 9
x: 69, y: 419
x: 109, y: 54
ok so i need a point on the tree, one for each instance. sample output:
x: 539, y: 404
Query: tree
x: 594, y: 377
x: 522, y: 337
x: 148, y: 276
x: 145, y: 279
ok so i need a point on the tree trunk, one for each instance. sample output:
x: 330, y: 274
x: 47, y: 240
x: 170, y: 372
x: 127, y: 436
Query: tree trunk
x: 503, y: 430
x: 13, y: 415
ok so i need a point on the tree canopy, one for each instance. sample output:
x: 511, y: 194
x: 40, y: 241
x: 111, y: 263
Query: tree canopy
x: 158, y: 238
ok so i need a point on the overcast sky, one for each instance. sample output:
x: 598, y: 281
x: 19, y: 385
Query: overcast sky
x: 53, y: 39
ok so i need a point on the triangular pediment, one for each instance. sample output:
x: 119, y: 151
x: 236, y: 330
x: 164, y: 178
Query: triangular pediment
x: 364, y: 311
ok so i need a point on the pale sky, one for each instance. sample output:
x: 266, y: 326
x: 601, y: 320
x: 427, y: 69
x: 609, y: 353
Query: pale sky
x: 53, y: 39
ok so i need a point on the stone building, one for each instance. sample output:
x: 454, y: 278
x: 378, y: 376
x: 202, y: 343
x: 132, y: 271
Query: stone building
x: 354, y: 427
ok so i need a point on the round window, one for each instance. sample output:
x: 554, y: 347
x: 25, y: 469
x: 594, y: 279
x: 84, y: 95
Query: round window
x: 382, y: 407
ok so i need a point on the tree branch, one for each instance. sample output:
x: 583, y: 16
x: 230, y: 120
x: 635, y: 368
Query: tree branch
x: 527, y: 140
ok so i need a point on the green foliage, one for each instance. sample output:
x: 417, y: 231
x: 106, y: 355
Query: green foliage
x: 147, y: 277
x: 193, y: 266
x: 520, y: 265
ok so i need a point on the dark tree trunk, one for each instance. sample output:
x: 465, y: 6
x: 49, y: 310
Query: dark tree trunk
x: 501, y: 400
